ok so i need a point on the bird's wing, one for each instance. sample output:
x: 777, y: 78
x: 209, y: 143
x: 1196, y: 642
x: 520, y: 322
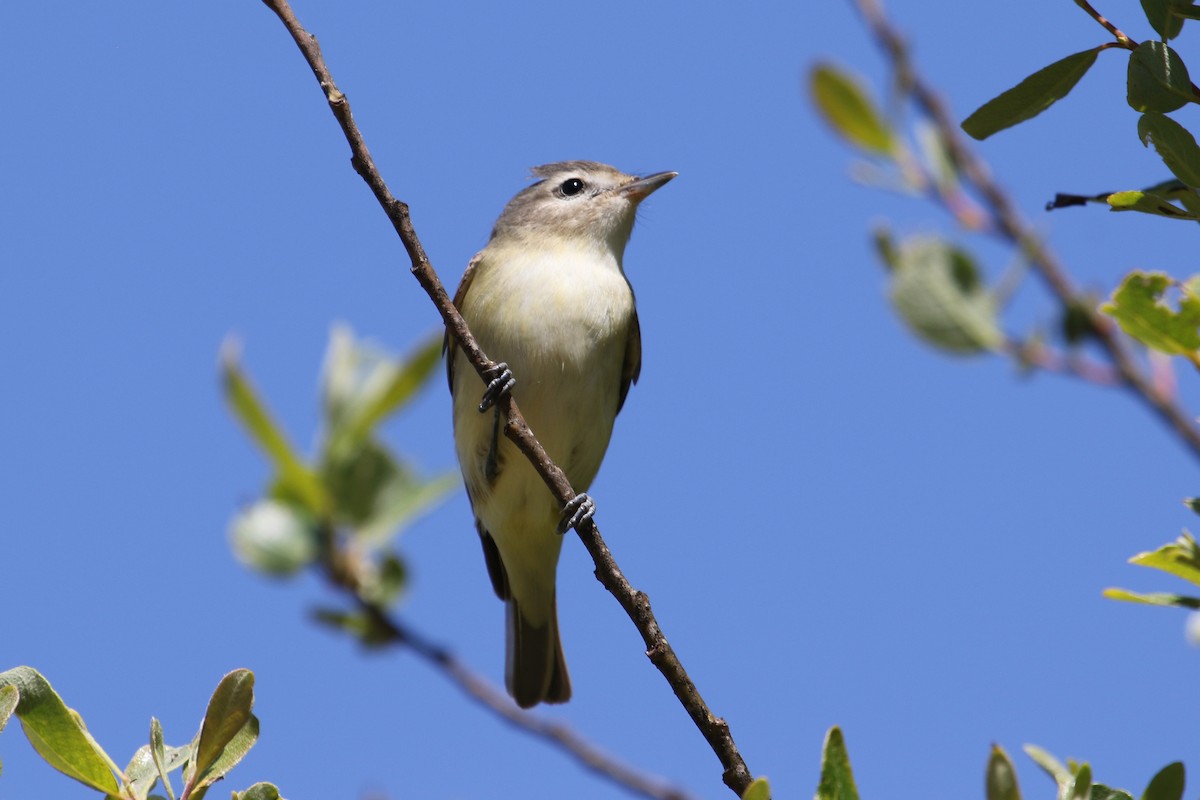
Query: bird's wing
x: 633, y: 359
x: 448, y: 345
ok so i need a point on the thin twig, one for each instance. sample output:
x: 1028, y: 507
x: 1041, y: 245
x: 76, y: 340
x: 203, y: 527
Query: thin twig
x: 1124, y: 40
x: 343, y: 571
x: 1010, y: 224
x: 714, y: 729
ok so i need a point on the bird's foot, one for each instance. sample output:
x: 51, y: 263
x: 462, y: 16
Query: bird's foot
x: 580, y: 508
x: 500, y: 382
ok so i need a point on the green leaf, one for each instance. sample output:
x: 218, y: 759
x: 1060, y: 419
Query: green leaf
x: 1154, y: 599
x: 363, y: 627
x: 259, y: 791
x: 1081, y: 783
x: 357, y: 478
x: 401, y: 501
x: 1192, y: 502
x: 937, y: 290
x: 1138, y: 307
x: 229, y: 729
x: 9, y: 697
x: 1148, y: 203
x: 57, y: 733
x: 274, y: 538
x: 759, y: 790
x: 1157, y: 79
x: 385, y: 582
x: 252, y: 412
x: 1180, y: 558
x: 1051, y: 765
x: 166, y: 759
x: 1165, y: 24
x: 1174, y: 145
x: 1185, y: 10
x: 1031, y: 96
x: 1167, y: 784
x: 363, y: 385
x: 146, y: 768
x: 837, y: 778
x: 1001, y: 776
x: 849, y: 110
x: 1102, y: 792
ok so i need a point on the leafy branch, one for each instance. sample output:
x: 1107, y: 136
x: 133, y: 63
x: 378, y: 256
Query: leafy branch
x: 227, y: 732
x: 937, y: 287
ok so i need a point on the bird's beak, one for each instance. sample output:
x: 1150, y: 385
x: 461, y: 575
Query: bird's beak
x: 638, y: 190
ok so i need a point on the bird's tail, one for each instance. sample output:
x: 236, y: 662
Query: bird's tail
x: 535, y: 671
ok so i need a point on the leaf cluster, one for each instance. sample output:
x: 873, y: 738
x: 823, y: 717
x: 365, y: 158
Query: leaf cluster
x: 345, y: 506
x: 1157, y: 84
x: 227, y: 732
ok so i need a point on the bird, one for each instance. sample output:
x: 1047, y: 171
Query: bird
x: 547, y: 295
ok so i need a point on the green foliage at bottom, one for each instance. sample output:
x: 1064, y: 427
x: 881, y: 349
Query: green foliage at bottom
x: 57, y: 732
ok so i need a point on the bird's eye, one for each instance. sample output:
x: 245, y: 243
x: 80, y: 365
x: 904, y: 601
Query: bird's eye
x: 570, y: 187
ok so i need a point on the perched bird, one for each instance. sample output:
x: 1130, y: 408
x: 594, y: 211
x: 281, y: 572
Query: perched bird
x: 548, y: 295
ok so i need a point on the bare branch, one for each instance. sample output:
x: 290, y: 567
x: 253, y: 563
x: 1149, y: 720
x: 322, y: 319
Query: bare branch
x: 715, y: 730
x: 1009, y: 223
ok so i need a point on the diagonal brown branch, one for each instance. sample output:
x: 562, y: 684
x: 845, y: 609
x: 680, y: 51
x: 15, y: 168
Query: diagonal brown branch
x: 636, y: 604
x: 1013, y: 227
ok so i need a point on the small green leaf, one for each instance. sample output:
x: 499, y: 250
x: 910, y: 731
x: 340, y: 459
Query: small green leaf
x: 1148, y: 203
x: 759, y: 790
x: 9, y: 697
x: 401, y: 501
x: 274, y: 538
x: 144, y: 771
x: 1174, y: 145
x: 253, y: 414
x: 363, y: 385
x: 937, y: 290
x: 229, y: 729
x: 1154, y: 599
x: 1102, y: 792
x: 259, y: 791
x: 357, y: 478
x: 1157, y: 79
x: 166, y: 759
x: 365, y: 628
x: 1185, y: 10
x: 1191, y: 502
x: 1031, y: 96
x: 1051, y: 765
x: 1001, y: 779
x: 386, y: 582
x: 849, y: 110
x: 57, y: 733
x: 837, y: 778
x: 1180, y: 558
x: 1167, y: 784
x: 1137, y: 306
x: 1081, y: 783
x: 1158, y: 13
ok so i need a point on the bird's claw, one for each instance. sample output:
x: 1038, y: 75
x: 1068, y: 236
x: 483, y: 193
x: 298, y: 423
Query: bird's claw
x: 580, y: 508
x: 500, y: 382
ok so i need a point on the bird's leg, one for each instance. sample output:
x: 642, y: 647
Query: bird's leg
x: 580, y: 507
x: 500, y: 382
x: 491, y: 467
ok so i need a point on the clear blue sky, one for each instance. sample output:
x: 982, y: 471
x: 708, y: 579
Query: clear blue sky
x: 836, y: 524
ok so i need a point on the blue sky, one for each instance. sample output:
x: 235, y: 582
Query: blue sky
x: 836, y: 524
